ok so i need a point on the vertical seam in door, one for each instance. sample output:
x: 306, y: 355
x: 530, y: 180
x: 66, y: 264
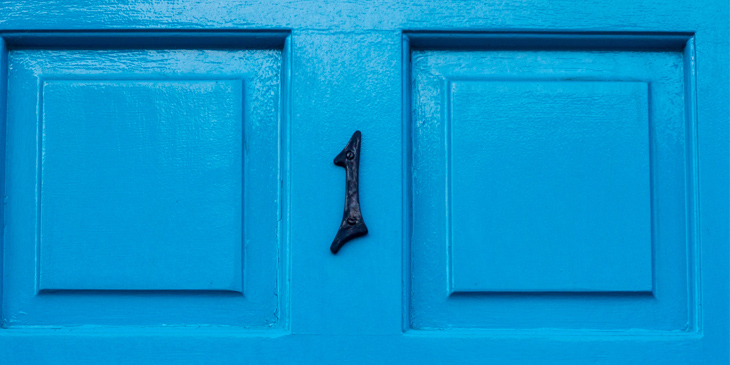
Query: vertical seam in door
x: 448, y: 98
x: 406, y: 161
x: 692, y: 198
x: 284, y: 258
x: 4, y: 69
x: 652, y: 204
x: 39, y: 182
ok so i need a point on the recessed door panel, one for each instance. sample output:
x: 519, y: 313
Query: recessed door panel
x: 548, y: 188
x: 143, y: 188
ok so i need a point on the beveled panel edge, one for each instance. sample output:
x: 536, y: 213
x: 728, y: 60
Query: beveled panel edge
x: 683, y: 42
x: 279, y: 39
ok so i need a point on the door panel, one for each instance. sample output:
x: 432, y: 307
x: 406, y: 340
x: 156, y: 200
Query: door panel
x: 563, y: 160
x: 561, y: 180
x: 94, y: 233
x: 144, y: 188
x: 543, y: 181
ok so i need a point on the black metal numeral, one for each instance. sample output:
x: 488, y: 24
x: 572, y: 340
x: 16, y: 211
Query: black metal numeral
x: 352, y: 225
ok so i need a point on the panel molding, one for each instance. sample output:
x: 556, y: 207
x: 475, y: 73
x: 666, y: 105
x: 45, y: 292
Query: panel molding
x: 137, y: 40
x: 420, y: 40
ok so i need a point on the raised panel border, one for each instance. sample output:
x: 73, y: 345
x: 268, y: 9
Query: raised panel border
x: 582, y: 41
x: 253, y: 39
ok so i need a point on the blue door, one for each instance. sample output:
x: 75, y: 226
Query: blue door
x: 541, y: 182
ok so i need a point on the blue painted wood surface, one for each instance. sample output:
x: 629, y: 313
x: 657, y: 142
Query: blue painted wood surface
x: 560, y: 183
x: 144, y: 171
x: 544, y: 182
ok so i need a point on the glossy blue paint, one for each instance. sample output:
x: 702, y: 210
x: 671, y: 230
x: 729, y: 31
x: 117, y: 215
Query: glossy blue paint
x: 590, y: 140
x: 564, y: 188
x: 149, y: 179
x: 548, y: 185
x: 105, y: 146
